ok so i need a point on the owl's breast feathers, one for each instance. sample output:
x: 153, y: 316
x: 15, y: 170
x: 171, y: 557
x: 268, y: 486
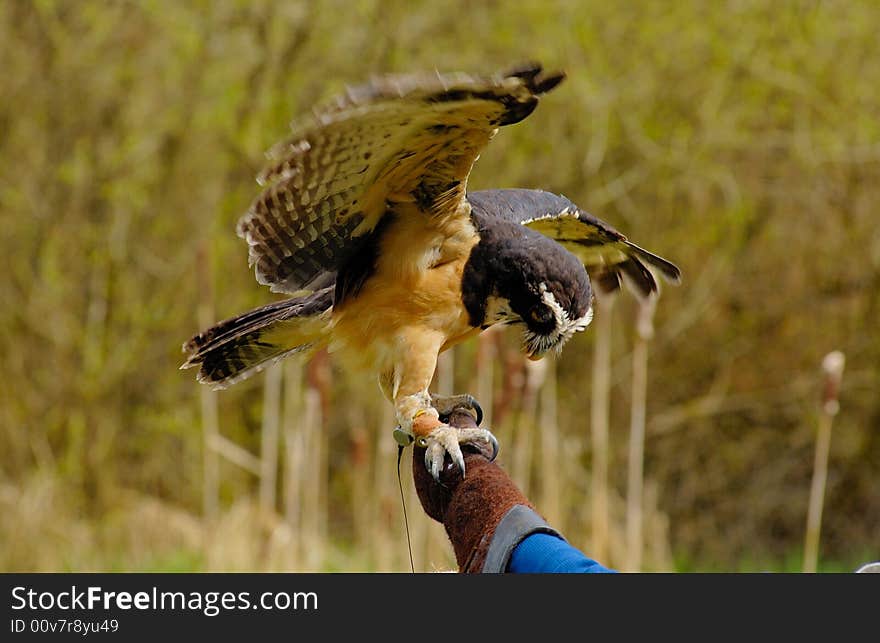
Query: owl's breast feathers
x: 406, y: 281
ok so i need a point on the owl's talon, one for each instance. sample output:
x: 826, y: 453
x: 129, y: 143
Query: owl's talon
x: 477, y: 408
x: 447, y: 404
x: 446, y: 439
x: 495, y: 448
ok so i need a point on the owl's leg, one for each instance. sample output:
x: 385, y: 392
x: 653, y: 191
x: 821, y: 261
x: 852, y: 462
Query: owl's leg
x: 407, y: 386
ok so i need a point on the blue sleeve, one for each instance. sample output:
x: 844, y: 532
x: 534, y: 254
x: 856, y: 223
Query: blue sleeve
x: 543, y: 553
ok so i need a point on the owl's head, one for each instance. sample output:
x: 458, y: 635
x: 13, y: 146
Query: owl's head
x: 519, y: 277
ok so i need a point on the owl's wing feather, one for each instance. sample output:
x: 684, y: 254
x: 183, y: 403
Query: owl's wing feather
x: 397, y: 139
x: 607, y: 254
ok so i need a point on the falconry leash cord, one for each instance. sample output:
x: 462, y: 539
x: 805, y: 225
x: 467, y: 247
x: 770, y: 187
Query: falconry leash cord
x: 412, y: 565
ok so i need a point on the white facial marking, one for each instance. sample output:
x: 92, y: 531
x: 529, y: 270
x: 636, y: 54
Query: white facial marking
x: 563, y: 329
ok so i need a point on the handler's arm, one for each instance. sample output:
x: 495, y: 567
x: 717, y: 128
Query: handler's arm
x: 492, y: 526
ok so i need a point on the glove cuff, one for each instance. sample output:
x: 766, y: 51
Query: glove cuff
x: 518, y: 523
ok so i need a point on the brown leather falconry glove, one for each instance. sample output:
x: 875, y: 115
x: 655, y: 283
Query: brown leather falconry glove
x: 471, y: 508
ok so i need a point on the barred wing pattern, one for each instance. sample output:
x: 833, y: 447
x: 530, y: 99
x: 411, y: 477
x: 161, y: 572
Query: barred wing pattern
x: 397, y: 139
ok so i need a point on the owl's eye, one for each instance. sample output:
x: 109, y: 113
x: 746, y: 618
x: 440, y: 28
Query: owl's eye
x: 540, y: 314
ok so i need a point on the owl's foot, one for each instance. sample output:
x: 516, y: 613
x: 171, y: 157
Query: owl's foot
x: 425, y: 419
x: 447, y: 404
x: 445, y: 439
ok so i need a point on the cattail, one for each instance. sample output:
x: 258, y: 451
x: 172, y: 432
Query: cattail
x: 832, y: 367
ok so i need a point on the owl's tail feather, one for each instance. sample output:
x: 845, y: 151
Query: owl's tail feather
x: 238, y: 347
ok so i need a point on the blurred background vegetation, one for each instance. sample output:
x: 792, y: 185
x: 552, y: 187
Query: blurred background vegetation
x: 740, y: 139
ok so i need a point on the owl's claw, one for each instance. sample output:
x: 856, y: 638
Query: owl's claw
x: 446, y: 404
x: 446, y: 439
x: 494, y: 443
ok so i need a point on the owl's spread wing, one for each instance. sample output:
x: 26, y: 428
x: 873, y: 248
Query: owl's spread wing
x: 607, y: 254
x: 397, y: 139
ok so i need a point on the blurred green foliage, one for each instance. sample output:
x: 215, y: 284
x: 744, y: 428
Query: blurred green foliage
x: 740, y: 139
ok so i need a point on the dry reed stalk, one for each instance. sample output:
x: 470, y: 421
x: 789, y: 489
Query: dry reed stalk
x: 207, y: 397
x: 832, y: 367
x: 551, y: 466
x: 312, y: 548
x: 237, y: 455
x: 210, y: 458
x: 269, y: 437
x: 484, y: 372
x: 322, y: 491
x: 526, y: 425
x: 636, y: 460
x: 599, y: 414
x: 509, y: 392
x: 359, y: 472
x: 321, y: 379
x: 293, y: 450
x: 385, y: 498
